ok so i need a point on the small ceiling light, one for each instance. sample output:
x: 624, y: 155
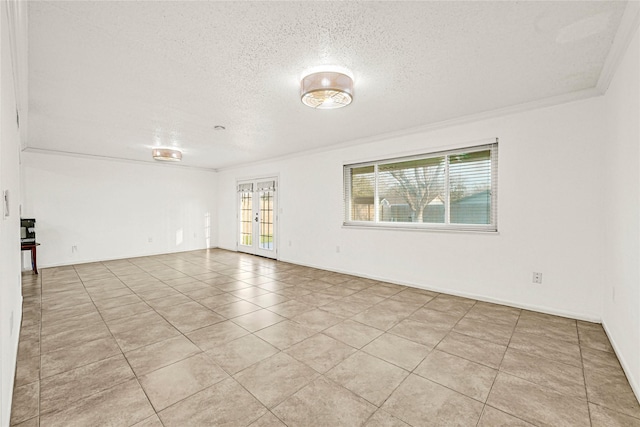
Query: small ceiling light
x: 167, y: 154
x: 326, y: 90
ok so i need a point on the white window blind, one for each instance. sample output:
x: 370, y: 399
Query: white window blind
x: 454, y: 190
x: 266, y: 186
x: 245, y: 188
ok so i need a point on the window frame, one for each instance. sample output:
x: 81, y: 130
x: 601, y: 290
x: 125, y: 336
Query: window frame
x: 492, y: 147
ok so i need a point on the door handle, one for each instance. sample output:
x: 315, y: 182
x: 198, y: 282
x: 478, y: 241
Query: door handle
x: 256, y: 219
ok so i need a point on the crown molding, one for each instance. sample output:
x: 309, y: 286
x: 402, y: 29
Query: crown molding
x: 500, y: 112
x: 485, y: 115
x: 626, y: 30
x: 114, y: 159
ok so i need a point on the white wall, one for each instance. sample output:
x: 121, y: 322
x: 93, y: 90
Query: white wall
x: 550, y: 211
x: 10, y: 279
x: 110, y: 209
x: 621, y: 313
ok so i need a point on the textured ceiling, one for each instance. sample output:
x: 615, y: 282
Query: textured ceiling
x: 117, y: 78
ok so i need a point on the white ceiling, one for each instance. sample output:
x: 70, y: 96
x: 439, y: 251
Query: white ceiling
x: 117, y: 78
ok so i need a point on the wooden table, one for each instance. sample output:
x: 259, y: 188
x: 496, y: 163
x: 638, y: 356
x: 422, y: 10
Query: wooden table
x: 31, y: 247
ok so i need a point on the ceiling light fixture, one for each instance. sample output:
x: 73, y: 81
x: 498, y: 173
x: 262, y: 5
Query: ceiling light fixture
x: 167, y: 154
x: 326, y: 90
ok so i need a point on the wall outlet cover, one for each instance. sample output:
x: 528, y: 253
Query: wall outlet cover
x: 537, y: 277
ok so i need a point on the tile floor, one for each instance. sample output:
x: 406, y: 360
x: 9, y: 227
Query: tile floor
x: 212, y: 338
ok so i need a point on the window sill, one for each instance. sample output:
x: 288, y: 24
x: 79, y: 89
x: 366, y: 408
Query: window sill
x: 470, y: 230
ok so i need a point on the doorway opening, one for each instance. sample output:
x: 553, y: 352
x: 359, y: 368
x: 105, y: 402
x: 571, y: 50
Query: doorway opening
x: 257, y: 217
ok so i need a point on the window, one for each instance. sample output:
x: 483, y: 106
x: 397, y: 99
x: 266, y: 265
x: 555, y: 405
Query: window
x: 451, y: 190
x: 246, y: 214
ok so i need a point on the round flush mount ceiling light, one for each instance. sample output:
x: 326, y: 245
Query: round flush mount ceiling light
x: 326, y: 90
x: 166, y: 154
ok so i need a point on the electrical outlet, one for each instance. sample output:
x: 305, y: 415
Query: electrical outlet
x: 337, y: 249
x: 150, y: 239
x: 74, y: 249
x: 537, y: 277
x: 289, y: 242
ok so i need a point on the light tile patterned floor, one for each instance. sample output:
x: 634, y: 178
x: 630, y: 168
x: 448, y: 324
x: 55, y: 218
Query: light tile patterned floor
x: 210, y: 338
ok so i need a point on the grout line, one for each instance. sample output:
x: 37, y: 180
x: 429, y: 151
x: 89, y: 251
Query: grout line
x: 584, y: 377
x: 124, y: 355
x: 118, y: 344
x: 230, y: 376
x: 493, y: 383
x: 236, y: 266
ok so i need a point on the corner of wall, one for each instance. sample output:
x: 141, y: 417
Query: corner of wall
x: 621, y: 227
x: 13, y: 96
x: 624, y: 362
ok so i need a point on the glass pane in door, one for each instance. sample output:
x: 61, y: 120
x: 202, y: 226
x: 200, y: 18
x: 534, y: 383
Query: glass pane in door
x: 246, y: 218
x: 266, y: 220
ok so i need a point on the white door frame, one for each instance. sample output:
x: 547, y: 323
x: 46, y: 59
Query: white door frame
x: 256, y: 218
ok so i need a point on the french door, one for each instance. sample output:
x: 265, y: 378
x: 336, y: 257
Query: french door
x: 257, y: 217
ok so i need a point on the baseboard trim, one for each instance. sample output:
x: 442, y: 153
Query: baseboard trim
x: 90, y: 260
x: 541, y: 309
x: 635, y: 387
x: 14, y: 353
